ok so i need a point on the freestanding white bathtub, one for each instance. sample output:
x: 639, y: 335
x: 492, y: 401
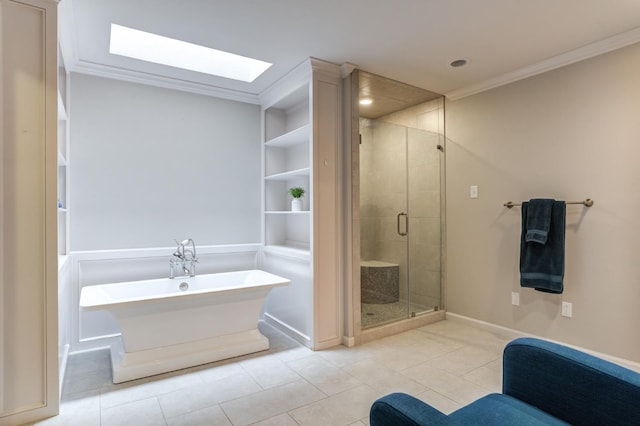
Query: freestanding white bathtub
x: 169, y: 324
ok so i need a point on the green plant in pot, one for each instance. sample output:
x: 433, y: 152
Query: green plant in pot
x: 296, y: 204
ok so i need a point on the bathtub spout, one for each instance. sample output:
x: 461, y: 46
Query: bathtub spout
x: 183, y: 257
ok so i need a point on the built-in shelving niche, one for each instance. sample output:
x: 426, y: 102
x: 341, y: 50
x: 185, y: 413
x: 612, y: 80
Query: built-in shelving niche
x: 286, y: 165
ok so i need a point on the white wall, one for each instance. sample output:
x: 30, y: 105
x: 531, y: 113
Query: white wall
x: 149, y: 165
x: 568, y: 134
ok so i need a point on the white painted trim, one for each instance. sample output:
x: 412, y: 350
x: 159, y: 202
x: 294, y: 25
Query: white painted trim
x: 99, y: 70
x: 287, y: 329
x: 115, y: 336
x: 281, y: 88
x: 348, y: 341
x: 322, y: 66
x: 63, y: 366
x: 513, y: 334
x: 585, y: 52
x: 346, y: 69
x: 162, y: 251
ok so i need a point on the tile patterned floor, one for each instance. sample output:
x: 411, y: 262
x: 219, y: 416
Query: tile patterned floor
x: 446, y: 364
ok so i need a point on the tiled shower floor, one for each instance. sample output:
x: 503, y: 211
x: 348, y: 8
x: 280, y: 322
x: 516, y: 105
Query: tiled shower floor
x: 446, y: 364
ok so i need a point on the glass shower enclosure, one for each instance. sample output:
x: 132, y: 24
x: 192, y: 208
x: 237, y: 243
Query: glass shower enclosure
x: 400, y: 222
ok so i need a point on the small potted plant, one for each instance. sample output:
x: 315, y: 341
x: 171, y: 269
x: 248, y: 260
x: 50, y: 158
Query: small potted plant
x: 296, y: 204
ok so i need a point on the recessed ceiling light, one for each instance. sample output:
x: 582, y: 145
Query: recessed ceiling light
x: 459, y: 63
x: 366, y: 101
x: 181, y: 54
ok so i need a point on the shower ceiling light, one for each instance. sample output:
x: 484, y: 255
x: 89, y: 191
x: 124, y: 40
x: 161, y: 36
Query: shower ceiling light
x: 181, y: 54
x: 366, y: 101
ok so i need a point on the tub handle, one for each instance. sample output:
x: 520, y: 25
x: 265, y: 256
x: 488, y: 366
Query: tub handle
x: 406, y: 224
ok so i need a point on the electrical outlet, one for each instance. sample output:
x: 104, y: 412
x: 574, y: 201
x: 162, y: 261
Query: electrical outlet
x: 567, y: 309
x: 473, y: 191
x: 515, y: 298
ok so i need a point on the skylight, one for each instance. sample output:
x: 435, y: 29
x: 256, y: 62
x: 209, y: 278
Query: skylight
x: 181, y: 54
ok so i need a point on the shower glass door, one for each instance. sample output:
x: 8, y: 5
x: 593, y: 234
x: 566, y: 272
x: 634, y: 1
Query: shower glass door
x: 400, y: 222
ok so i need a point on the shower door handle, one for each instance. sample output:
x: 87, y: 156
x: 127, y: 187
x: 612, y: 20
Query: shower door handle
x: 406, y: 224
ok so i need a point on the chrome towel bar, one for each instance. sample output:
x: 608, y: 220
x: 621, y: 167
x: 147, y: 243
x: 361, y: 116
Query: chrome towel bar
x: 588, y: 202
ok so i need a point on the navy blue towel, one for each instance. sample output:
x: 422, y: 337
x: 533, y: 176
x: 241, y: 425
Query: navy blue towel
x: 542, y: 265
x: 538, y: 220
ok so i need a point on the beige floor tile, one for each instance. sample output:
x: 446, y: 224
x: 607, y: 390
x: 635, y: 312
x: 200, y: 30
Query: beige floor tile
x: 439, y: 401
x: 324, y: 375
x: 136, y: 390
x: 292, y: 354
x: 495, y: 365
x: 486, y: 377
x: 146, y: 412
x: 221, y: 370
x: 280, y: 420
x: 337, y: 410
x: 402, y: 359
x: 211, y: 416
x: 446, y: 364
x: 456, y: 388
x: 206, y: 395
x: 342, y: 356
x: 271, y: 402
x: 397, y: 383
x: 269, y: 371
x: 463, y: 360
x: 369, y: 370
x: 382, y: 378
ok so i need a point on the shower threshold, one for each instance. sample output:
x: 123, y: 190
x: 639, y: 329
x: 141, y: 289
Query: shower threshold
x: 374, y: 314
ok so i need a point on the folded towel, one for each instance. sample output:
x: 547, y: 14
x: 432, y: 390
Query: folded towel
x: 542, y: 265
x: 538, y: 220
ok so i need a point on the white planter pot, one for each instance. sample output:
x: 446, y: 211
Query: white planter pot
x: 296, y: 205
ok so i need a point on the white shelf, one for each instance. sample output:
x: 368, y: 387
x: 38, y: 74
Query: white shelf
x: 294, y: 137
x: 62, y: 210
x: 290, y: 174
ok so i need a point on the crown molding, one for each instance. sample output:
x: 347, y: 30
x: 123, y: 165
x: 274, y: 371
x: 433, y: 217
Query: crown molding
x: 99, y: 70
x: 585, y: 52
x: 286, y: 84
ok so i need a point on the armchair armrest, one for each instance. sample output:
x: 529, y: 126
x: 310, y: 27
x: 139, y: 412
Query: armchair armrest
x: 399, y: 409
x: 571, y: 385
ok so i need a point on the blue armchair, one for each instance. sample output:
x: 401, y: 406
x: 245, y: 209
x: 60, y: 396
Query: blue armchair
x: 543, y: 384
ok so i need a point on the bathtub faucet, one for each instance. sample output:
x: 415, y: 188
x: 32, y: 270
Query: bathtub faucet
x: 184, y: 257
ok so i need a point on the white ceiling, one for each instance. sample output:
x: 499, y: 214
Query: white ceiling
x: 412, y: 41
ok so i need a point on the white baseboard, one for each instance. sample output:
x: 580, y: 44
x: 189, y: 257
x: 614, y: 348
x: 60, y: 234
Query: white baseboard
x: 348, y: 341
x: 296, y: 335
x: 511, y: 333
